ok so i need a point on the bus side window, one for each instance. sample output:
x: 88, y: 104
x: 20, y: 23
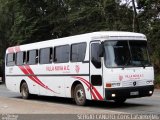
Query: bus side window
x: 45, y: 56
x: 61, y: 54
x: 21, y: 58
x: 10, y: 59
x: 78, y: 52
x: 95, y: 59
x: 32, y: 57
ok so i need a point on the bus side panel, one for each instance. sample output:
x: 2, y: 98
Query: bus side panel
x: 12, y: 83
x: 14, y: 77
x: 12, y: 80
x: 53, y: 85
x: 56, y: 79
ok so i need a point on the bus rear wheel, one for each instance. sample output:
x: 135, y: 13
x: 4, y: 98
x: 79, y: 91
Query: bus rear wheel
x: 25, y: 91
x: 79, y: 95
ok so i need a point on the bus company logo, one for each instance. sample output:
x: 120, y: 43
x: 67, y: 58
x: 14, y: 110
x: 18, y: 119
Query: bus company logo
x: 120, y: 77
x: 77, y: 68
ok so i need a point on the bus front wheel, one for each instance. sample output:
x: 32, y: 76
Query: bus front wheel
x: 79, y: 95
x: 24, y: 90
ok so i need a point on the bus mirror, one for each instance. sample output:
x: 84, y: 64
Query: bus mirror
x: 101, y: 50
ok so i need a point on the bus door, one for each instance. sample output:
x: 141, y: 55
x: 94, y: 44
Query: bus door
x: 96, y: 78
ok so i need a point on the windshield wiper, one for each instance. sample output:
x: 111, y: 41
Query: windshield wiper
x: 126, y: 63
x: 146, y: 64
x: 143, y: 65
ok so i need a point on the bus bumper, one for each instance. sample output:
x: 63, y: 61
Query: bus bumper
x: 128, y: 92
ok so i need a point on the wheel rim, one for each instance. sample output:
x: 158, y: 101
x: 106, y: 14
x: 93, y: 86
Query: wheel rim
x: 80, y: 95
x: 24, y: 91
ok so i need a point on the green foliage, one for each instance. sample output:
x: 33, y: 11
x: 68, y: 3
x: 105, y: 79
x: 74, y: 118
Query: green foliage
x: 37, y: 20
x: 157, y: 79
x: 150, y: 24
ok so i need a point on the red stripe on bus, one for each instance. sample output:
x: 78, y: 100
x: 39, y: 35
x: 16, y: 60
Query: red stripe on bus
x: 94, y: 89
x: 37, y: 79
x: 97, y: 93
x: 10, y: 50
x: 27, y: 73
x: 31, y: 72
x: 17, y: 49
x: 89, y: 87
x: 27, y: 70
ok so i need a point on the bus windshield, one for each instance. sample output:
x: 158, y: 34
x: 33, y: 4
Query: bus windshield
x: 125, y: 53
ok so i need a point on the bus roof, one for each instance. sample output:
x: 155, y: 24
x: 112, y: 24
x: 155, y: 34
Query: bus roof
x: 87, y: 37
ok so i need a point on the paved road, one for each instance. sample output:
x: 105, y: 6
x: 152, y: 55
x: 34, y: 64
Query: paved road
x: 11, y: 102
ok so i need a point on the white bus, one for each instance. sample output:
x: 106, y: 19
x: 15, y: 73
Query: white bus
x: 94, y: 66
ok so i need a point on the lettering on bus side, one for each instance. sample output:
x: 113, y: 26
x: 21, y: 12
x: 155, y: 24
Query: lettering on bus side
x: 58, y: 68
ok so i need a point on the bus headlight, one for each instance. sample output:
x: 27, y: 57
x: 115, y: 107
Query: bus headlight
x: 149, y: 81
x: 113, y: 95
x: 150, y: 92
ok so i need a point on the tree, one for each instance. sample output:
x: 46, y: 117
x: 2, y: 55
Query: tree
x: 26, y: 21
x: 135, y: 19
x: 6, y: 22
x: 149, y: 23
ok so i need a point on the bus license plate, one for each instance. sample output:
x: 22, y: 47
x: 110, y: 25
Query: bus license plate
x: 134, y: 93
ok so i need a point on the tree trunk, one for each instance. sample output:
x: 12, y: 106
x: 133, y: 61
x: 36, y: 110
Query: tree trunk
x: 135, y: 24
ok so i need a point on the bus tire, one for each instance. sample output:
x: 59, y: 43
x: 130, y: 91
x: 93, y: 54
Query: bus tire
x: 25, y: 91
x: 79, y: 95
x: 120, y: 100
